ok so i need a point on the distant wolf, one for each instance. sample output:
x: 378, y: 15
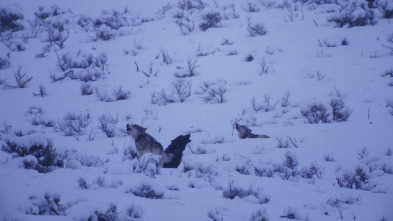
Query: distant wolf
x: 176, y: 149
x: 145, y: 143
x: 245, y: 132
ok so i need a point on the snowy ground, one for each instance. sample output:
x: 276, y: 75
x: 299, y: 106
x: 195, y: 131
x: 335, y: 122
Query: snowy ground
x: 324, y: 171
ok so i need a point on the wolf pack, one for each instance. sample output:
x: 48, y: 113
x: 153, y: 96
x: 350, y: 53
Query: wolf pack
x: 171, y: 157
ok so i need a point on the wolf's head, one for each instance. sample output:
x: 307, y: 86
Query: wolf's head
x: 180, y: 142
x: 135, y: 130
x: 242, y: 131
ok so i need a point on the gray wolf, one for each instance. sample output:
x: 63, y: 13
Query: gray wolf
x: 145, y: 143
x: 245, y: 132
x: 176, y: 149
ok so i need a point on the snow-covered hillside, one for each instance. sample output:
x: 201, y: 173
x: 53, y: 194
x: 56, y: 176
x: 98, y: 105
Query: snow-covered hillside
x: 314, y: 75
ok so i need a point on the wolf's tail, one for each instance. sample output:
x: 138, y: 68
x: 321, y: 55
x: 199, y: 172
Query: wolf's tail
x: 258, y: 136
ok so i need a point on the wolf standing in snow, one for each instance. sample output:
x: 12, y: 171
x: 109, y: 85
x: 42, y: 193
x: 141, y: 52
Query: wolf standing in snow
x: 176, y: 149
x: 145, y: 143
x: 245, y: 132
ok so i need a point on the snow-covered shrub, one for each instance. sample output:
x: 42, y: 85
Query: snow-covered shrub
x: 190, y: 71
x: 134, y: 213
x: 213, y: 92
x: 386, y: 6
x: 259, y: 215
x: 4, y: 62
x: 356, y: 179
x: 22, y: 79
x: 161, y: 98
x: 41, y: 153
x: 181, y: 88
x: 386, y: 168
x: 389, y: 152
x: 215, y: 215
x: 362, y: 153
x: 199, y: 170
x: 316, y: 113
x: 336, y: 201
x: 54, y: 23
x: 353, y: 13
x: 252, y: 7
x: 83, y: 183
x: 265, y: 106
x: 151, y: 72
x: 263, y: 171
x: 198, y: 149
x: 290, y: 160
x: 113, y: 19
x: 107, y: 123
x: 388, y: 73
x: 90, y: 161
x: 320, y: 2
x: 245, y: 168
x: 188, y: 5
x: 148, y: 164
x: 86, y: 89
x: 47, y: 205
x: 54, y: 36
x: 256, y: 29
x: 30, y: 162
x: 41, y: 91
x: 232, y: 191
x: 146, y: 190
x: 166, y: 59
x: 84, y: 22
x: 185, y: 23
x: 36, y: 115
x: 289, y: 142
x: 108, y: 25
x: 340, y: 112
x: 229, y: 12
x: 328, y: 157
x: 327, y: 43
x: 74, y: 124
x: 389, y: 105
x: 103, y: 96
x: 210, y: 20
x: 82, y: 66
x: 41, y: 121
x: 120, y: 94
x: 10, y: 20
x: 44, y: 13
x: 105, y: 33
x: 264, y: 67
x: 6, y: 130
x: 111, y: 214
x: 309, y: 172
x: 12, y: 42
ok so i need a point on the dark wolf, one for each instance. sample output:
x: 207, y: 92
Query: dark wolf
x: 245, y: 132
x: 175, y: 149
x: 145, y: 143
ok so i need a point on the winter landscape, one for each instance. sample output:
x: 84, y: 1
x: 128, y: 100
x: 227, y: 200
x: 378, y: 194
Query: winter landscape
x: 316, y: 76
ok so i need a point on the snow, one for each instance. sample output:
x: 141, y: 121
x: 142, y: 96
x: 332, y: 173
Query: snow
x: 305, y: 59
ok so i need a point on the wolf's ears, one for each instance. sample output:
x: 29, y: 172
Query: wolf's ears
x: 129, y: 126
x: 140, y: 127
